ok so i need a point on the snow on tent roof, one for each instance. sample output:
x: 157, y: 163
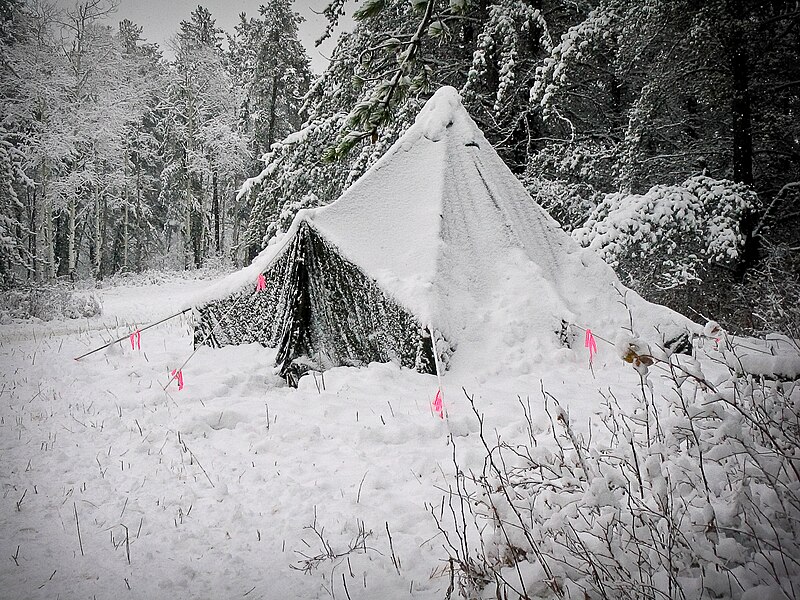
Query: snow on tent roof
x: 445, y: 228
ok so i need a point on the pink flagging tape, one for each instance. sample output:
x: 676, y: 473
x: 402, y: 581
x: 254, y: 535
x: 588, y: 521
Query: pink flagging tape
x: 261, y: 283
x: 177, y: 374
x: 591, y: 344
x: 437, y: 404
x: 136, y: 340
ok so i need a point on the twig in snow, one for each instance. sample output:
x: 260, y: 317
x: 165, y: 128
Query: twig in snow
x: 395, y: 559
x: 358, y: 496
x: 78, y: 527
x: 127, y: 546
x: 346, y: 591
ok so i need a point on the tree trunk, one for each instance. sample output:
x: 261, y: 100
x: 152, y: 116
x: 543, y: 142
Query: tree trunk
x: 32, y: 216
x: 138, y: 206
x: 187, y: 226
x: 125, y: 200
x: 222, y: 218
x: 273, y: 110
x: 47, y: 265
x: 740, y: 103
x: 215, y: 210
x: 98, y: 248
x: 741, y: 110
x: 71, y: 258
x: 61, y: 242
x: 188, y: 248
x: 103, y: 231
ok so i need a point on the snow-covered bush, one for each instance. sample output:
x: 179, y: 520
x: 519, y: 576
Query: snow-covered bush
x: 586, y: 162
x: 213, y: 268
x: 567, y: 203
x: 80, y: 305
x: 682, y: 227
x: 52, y: 302
x: 696, y: 495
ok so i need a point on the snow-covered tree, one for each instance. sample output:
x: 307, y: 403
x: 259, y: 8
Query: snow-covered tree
x: 664, y: 89
x: 15, y: 257
x: 682, y: 228
x: 513, y: 36
x: 306, y: 165
x: 270, y: 64
x: 205, y: 151
x: 36, y: 90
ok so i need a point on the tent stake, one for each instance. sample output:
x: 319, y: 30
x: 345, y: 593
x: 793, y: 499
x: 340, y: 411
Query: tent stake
x: 436, y: 362
x: 124, y: 337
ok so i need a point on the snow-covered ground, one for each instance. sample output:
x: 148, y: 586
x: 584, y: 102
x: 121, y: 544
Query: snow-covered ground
x: 112, y: 486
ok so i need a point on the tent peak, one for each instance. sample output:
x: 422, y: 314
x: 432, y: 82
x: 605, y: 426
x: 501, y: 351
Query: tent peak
x: 440, y: 112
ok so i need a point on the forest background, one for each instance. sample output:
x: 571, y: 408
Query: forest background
x: 664, y: 134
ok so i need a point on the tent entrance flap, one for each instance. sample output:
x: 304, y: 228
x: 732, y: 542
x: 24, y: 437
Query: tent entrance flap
x: 320, y: 311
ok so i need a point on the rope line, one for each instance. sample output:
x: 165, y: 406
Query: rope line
x: 125, y: 337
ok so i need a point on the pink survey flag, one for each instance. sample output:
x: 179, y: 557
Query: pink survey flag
x: 591, y: 344
x: 178, y: 374
x: 261, y: 283
x: 437, y: 404
x: 136, y: 340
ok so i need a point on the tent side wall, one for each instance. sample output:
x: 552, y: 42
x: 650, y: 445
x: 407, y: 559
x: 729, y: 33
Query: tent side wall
x: 320, y: 311
x: 352, y: 320
x: 252, y: 316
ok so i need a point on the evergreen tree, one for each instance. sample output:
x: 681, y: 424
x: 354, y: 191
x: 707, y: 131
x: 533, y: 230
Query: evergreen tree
x: 270, y: 64
x: 205, y: 152
x: 15, y: 257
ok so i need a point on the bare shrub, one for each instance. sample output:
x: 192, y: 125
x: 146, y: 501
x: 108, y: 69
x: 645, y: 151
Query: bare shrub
x: 693, y: 495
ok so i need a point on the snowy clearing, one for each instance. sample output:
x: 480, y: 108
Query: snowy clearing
x: 239, y: 486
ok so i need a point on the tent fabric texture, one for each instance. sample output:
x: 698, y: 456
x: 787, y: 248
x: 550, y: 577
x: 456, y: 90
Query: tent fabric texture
x: 320, y: 311
x: 437, y: 238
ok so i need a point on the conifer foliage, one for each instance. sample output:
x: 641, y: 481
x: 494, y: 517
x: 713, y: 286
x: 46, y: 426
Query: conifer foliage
x: 113, y: 158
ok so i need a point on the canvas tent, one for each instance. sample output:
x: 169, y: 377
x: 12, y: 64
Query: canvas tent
x: 437, y: 237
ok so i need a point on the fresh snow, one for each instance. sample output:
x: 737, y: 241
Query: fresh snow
x: 211, y: 490
x: 215, y: 500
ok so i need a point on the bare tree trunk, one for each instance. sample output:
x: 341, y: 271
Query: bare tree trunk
x: 215, y: 210
x: 125, y: 200
x: 98, y: 241
x: 188, y: 250
x: 222, y: 219
x: 138, y: 201
x: 187, y: 227
x: 71, y: 258
x: 32, y: 237
x: 47, y: 265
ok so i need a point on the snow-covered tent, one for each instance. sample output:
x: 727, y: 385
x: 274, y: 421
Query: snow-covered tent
x: 438, y: 236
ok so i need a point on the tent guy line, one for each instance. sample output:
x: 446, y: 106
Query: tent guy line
x: 128, y: 335
x: 178, y: 373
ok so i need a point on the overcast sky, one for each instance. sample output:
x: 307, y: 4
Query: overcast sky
x: 160, y: 20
